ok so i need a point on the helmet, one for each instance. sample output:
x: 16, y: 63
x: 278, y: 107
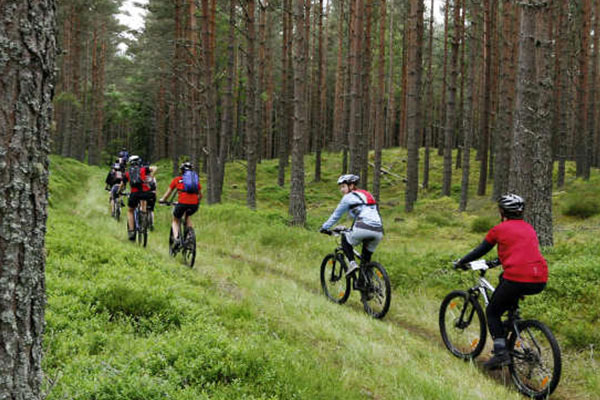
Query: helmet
x: 348, y: 179
x: 186, y: 166
x: 117, y: 166
x: 134, y: 160
x: 511, y: 204
x: 123, y: 149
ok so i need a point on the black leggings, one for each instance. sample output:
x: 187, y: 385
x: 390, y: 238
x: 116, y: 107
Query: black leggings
x: 506, y: 297
x: 349, y: 251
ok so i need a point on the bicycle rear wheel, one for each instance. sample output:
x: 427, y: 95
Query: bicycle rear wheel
x: 142, y: 233
x: 536, y: 360
x: 334, y: 282
x: 462, y: 325
x: 171, y: 243
x: 377, y: 294
x: 118, y: 211
x: 189, y: 249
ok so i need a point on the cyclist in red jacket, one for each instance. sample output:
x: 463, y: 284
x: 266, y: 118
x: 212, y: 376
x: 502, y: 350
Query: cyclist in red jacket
x: 188, y: 199
x: 525, y: 269
x: 138, y: 178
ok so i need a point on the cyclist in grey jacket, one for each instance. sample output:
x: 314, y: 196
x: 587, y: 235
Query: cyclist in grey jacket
x: 367, y: 227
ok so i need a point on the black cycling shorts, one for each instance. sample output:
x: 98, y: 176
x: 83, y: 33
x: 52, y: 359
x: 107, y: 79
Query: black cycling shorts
x: 180, y: 209
x: 135, y: 197
x: 151, y: 202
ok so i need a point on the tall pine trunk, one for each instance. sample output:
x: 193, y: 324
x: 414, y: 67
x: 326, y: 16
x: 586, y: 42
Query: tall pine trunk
x: 531, y: 164
x: 297, y: 203
x: 380, y: 115
x: 251, y: 133
x: 27, y: 77
x: 414, y: 122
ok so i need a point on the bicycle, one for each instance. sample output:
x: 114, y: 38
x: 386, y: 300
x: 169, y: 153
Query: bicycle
x: 536, y: 364
x: 372, y: 282
x: 118, y: 204
x: 140, y: 220
x: 188, y: 246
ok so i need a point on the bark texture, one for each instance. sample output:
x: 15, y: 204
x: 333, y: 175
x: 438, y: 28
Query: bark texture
x: 27, y: 75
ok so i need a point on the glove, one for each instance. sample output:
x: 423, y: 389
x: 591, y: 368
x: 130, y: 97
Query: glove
x: 458, y: 265
x: 325, y: 231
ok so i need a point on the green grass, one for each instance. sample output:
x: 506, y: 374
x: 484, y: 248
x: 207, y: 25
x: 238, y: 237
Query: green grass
x: 249, y: 320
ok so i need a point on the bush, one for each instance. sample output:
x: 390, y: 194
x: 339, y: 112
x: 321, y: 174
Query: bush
x: 581, y: 207
x: 482, y: 224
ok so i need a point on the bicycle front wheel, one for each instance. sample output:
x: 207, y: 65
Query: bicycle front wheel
x: 334, y: 282
x: 189, y: 250
x: 462, y: 325
x: 536, y: 360
x: 377, y: 294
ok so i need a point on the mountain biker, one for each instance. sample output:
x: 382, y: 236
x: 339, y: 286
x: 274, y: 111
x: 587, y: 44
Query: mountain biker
x: 113, y: 182
x: 138, y: 177
x: 367, y: 227
x: 525, y: 269
x: 187, y: 200
x: 123, y: 157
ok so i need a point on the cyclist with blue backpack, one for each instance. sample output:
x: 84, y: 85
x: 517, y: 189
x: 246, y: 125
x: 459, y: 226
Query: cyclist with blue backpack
x: 138, y: 178
x: 367, y: 227
x: 189, y: 193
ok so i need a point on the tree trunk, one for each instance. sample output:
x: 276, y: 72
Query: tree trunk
x: 354, y: 134
x: 251, y: 133
x: 27, y: 77
x: 414, y: 122
x: 451, y: 104
x: 320, y: 131
x: 338, y: 101
x: 531, y: 163
x: 428, y: 114
x: 297, y: 203
x: 380, y: 115
x: 502, y: 135
x: 489, y: 12
x: 583, y: 144
x: 285, y: 89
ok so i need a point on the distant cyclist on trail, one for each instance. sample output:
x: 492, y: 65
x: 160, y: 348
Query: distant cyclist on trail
x: 189, y: 192
x: 525, y: 269
x: 367, y: 227
x: 123, y: 157
x: 138, y: 178
x: 113, y: 183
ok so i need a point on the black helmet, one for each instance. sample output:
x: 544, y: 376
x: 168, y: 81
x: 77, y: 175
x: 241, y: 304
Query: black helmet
x: 186, y: 166
x: 348, y: 179
x: 134, y: 160
x: 511, y: 204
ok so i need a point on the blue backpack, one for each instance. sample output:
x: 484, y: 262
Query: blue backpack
x: 190, y: 181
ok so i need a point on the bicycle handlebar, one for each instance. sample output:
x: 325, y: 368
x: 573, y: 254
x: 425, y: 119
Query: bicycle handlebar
x: 477, y: 265
x: 168, y: 203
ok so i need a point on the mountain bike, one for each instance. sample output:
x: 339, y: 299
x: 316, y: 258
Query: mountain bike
x: 140, y: 219
x: 372, y: 281
x: 535, y: 354
x: 118, y: 204
x: 188, y: 246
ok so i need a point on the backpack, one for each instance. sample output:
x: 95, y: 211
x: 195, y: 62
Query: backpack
x: 135, y: 177
x: 190, y: 181
x: 118, y: 175
x: 368, y: 198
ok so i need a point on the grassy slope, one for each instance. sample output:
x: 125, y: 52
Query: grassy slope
x: 249, y: 321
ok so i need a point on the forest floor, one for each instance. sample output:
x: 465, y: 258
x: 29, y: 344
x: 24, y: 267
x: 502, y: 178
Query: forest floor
x: 250, y: 321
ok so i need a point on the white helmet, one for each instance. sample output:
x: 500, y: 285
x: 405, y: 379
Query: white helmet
x: 348, y: 179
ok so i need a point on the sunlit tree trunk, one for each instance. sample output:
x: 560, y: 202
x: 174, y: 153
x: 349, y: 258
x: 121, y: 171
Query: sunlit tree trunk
x: 583, y: 142
x: 251, y: 133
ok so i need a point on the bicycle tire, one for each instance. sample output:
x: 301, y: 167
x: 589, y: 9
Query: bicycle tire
x: 464, y: 337
x: 536, y: 359
x: 335, y: 283
x: 118, y: 212
x: 377, y: 295
x: 189, y: 250
x: 171, y: 243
